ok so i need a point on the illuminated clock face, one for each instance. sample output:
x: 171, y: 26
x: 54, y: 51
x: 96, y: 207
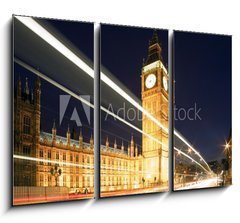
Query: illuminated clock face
x: 165, y: 83
x: 150, y: 81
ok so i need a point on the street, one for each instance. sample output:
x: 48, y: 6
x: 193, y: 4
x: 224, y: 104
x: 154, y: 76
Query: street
x: 210, y: 182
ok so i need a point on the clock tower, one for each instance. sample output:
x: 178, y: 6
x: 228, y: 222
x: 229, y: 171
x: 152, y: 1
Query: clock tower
x: 154, y: 85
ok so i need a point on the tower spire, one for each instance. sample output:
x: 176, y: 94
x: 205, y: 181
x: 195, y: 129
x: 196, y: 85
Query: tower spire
x: 26, y: 87
x: 122, y: 147
x: 91, y: 141
x: 154, y: 38
x: 115, y: 145
x: 132, y: 147
x: 54, y: 133
x: 19, y: 88
x: 154, y: 49
x: 80, y: 140
x: 68, y: 136
x: 107, y: 144
x: 136, y: 151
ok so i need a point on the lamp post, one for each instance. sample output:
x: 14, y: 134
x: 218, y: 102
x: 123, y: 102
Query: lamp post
x: 56, y: 172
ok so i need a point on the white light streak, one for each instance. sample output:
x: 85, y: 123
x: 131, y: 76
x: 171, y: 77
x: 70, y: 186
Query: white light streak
x: 56, y: 84
x: 54, y: 42
x: 193, y: 160
x: 79, y: 165
x: 31, y: 69
x: 51, y: 161
x: 176, y: 133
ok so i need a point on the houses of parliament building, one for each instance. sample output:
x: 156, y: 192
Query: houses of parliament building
x: 75, y: 158
x: 44, y: 159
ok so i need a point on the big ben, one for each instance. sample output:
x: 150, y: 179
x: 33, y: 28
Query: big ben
x: 154, y: 88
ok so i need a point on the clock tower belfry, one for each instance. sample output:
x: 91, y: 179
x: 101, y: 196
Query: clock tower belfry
x: 154, y: 88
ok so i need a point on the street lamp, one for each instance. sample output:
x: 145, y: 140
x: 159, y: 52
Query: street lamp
x: 227, y: 146
x: 56, y: 172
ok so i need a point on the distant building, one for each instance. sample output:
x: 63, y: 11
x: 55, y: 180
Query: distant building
x: 215, y: 166
x: 228, y: 157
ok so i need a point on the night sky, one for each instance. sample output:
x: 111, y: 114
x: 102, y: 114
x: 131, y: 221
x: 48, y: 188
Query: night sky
x: 80, y: 34
x: 77, y: 36
x: 203, y: 76
x: 122, y: 51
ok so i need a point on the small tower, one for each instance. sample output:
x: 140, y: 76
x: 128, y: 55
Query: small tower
x: 115, y: 146
x: 107, y: 144
x: 91, y: 142
x: 136, y: 151
x: 74, y: 134
x: 37, y: 93
x: 37, y: 109
x: 68, y: 137
x: 32, y: 97
x: 80, y: 140
x: 128, y: 150
x: 26, y: 91
x: 154, y: 49
x: 122, y: 147
x: 132, y: 147
x: 54, y: 133
x: 19, y: 89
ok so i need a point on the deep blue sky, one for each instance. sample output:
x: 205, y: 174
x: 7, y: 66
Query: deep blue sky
x: 80, y: 35
x: 122, y: 51
x: 203, y: 76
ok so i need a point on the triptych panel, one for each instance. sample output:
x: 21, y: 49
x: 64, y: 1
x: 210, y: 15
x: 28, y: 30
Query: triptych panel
x: 53, y: 111
x: 134, y: 120
x: 202, y: 111
x: 53, y: 84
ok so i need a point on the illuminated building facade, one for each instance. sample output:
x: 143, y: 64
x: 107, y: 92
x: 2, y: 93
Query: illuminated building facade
x: 50, y: 160
x: 155, y: 101
x: 74, y: 158
x: 121, y: 170
x: 131, y: 169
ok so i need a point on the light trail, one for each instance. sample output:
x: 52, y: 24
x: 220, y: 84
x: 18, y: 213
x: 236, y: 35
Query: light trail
x: 212, y: 182
x: 51, y: 161
x: 176, y: 133
x: 44, y: 199
x: 121, y: 92
x: 55, y: 43
x: 60, y: 47
x: 189, y: 157
x: 80, y: 165
x: 56, y: 84
x: 43, y: 76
